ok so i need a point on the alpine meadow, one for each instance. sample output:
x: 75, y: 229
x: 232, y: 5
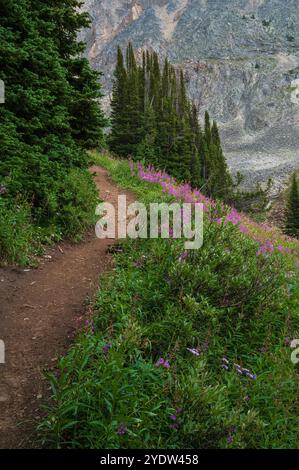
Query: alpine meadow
x: 139, y: 341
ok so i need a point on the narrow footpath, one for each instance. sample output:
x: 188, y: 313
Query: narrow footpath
x: 40, y: 312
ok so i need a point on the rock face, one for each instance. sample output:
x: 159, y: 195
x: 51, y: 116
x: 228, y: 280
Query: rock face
x: 241, y: 61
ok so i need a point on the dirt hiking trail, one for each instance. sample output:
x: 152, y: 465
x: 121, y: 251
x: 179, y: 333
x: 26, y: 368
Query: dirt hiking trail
x: 40, y: 312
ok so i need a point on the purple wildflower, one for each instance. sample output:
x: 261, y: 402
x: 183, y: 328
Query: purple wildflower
x: 267, y: 248
x: 121, y: 430
x: 233, y: 217
x: 183, y: 256
x: 174, y: 426
x: 138, y: 264
x: 243, y: 229
x: 195, y: 352
x: 106, y: 348
x: 184, y: 193
x: 160, y: 362
x: 252, y: 376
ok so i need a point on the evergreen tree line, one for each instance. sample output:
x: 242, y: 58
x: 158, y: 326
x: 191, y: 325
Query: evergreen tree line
x: 51, y: 113
x: 153, y: 120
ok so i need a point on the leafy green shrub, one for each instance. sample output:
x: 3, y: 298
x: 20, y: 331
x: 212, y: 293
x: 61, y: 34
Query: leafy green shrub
x: 68, y: 210
x: 16, y: 232
x: 77, y: 198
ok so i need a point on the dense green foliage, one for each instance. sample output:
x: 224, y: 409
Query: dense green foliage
x: 292, y: 222
x: 153, y: 120
x: 158, y: 365
x: 50, y: 116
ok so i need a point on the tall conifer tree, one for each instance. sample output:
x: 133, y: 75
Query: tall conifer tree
x: 119, y: 117
x: 292, y: 221
x: 51, y: 112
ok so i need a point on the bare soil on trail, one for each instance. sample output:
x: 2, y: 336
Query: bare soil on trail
x: 40, y: 312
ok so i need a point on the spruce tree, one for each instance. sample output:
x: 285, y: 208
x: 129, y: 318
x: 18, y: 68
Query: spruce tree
x: 221, y: 181
x: 195, y: 165
x: 43, y: 127
x: 167, y: 122
x: 208, y: 130
x: 206, y: 150
x: 215, y: 172
x: 292, y: 221
x: 61, y: 22
x: 88, y: 120
x: 119, y: 117
x: 215, y: 138
x: 133, y: 105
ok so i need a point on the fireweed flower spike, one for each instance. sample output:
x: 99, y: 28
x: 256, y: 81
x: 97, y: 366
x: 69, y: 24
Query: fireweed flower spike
x: 233, y: 217
x: 243, y: 229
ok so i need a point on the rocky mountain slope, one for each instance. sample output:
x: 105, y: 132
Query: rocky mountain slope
x: 241, y: 61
